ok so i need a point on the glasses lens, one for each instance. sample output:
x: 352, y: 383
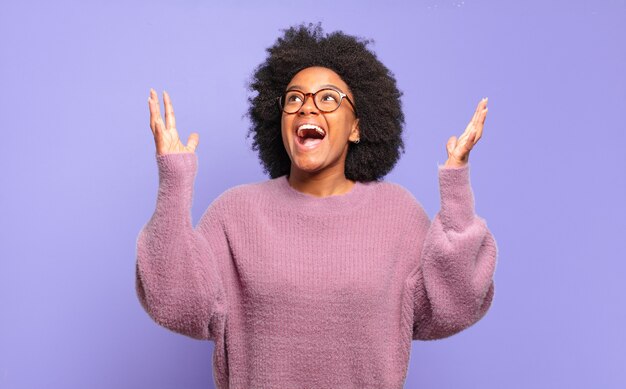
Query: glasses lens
x: 292, y: 101
x: 327, y: 100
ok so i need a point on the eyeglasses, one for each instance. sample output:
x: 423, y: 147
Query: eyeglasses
x: 326, y: 100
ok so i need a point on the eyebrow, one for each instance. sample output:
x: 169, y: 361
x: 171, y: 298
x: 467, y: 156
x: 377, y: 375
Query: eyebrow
x: 321, y: 87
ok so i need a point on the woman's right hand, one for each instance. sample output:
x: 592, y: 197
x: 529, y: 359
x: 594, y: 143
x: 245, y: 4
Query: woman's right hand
x: 165, y: 134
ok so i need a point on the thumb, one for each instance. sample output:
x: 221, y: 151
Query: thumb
x: 451, y: 145
x: 193, y: 140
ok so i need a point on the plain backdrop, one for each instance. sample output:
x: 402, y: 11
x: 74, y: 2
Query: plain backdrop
x: 79, y: 176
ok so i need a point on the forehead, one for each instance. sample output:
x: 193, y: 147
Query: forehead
x: 313, y: 78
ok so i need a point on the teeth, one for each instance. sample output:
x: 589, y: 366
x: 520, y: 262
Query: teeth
x: 311, y: 126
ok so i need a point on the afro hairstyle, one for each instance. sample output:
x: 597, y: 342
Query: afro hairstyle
x: 376, y: 97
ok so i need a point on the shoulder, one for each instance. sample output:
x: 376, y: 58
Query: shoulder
x: 242, y: 194
x: 395, y: 195
x: 396, y: 192
x: 235, y: 203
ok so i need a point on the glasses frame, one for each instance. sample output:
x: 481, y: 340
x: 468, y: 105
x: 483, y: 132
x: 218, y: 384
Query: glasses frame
x: 306, y: 95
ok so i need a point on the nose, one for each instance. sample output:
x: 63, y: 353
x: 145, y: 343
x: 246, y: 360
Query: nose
x: 308, y: 106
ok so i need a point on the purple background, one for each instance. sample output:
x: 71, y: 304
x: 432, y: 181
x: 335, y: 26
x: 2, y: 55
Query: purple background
x: 79, y: 176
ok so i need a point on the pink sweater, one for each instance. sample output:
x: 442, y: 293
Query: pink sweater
x: 299, y: 291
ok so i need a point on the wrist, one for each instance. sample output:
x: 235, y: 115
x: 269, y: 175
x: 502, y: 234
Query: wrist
x: 453, y: 163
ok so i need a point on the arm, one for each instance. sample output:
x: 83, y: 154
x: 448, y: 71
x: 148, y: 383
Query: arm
x: 454, y: 280
x: 177, y: 279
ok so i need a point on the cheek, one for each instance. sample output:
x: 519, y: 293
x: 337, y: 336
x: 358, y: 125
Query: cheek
x: 285, y: 121
x: 342, y: 127
x: 285, y: 124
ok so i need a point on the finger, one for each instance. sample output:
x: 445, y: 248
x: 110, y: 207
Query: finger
x: 170, y: 121
x: 479, y: 110
x: 472, y: 123
x: 192, y: 141
x: 482, y: 125
x: 466, y: 133
x: 479, y: 119
x: 476, y: 112
x: 462, y: 148
x: 471, y: 140
x: 467, y: 143
x: 451, y: 145
x: 151, y: 114
x: 158, y: 120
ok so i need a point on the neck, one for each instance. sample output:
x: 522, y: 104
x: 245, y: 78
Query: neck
x: 320, y: 184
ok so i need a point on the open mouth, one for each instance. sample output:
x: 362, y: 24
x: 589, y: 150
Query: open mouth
x: 310, y: 135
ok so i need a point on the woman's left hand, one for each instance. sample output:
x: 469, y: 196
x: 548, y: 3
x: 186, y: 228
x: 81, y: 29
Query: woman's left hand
x: 459, y: 149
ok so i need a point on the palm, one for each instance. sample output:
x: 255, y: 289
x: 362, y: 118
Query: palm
x: 170, y: 142
x: 459, y: 149
x: 165, y: 134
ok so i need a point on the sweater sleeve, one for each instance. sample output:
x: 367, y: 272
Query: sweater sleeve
x: 177, y: 279
x: 453, y: 282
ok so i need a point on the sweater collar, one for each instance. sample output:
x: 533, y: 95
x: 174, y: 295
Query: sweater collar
x: 307, y: 203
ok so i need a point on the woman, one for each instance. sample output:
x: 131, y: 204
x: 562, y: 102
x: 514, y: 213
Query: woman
x: 321, y: 276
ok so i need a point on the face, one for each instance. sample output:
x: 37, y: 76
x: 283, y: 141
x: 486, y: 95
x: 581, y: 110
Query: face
x: 340, y: 126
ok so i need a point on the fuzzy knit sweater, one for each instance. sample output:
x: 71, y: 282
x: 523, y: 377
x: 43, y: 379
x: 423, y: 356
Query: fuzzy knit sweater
x: 299, y: 291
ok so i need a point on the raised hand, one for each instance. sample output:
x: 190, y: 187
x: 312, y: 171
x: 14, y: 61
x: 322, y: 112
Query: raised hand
x: 459, y: 149
x: 165, y: 134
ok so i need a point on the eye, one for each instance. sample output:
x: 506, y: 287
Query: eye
x: 328, y: 96
x: 293, y: 97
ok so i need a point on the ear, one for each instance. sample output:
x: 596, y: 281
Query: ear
x: 355, y: 131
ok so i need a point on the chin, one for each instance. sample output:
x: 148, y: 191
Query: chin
x: 308, y: 168
x: 309, y: 163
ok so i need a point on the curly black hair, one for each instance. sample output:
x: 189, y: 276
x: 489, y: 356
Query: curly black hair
x: 373, y: 86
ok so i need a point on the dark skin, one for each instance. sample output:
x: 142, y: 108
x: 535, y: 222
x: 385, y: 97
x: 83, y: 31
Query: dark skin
x: 165, y: 134
x: 459, y: 149
x: 319, y: 171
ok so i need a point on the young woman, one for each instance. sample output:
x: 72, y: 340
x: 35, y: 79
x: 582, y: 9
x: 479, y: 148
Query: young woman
x: 320, y: 276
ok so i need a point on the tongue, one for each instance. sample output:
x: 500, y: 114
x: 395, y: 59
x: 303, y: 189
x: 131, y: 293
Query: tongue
x: 310, y: 142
